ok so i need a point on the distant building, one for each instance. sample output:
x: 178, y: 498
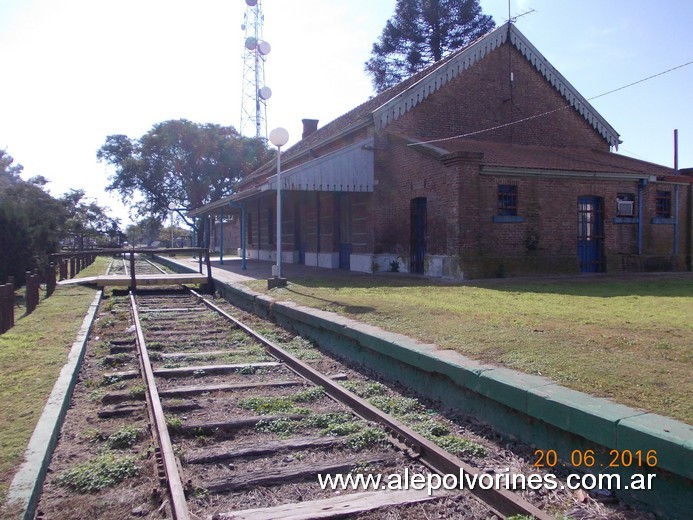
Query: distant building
x: 488, y: 163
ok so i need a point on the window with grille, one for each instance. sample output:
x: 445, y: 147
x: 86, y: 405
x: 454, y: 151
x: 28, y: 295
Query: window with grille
x: 663, y: 205
x: 507, y: 200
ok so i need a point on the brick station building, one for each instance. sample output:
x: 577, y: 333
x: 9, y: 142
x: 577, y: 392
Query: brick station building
x: 487, y: 163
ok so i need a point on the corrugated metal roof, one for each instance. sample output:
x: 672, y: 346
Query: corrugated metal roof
x: 348, y: 169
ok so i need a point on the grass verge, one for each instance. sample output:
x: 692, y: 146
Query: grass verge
x: 628, y: 339
x: 32, y: 354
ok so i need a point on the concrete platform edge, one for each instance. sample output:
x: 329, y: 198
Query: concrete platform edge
x: 25, y: 490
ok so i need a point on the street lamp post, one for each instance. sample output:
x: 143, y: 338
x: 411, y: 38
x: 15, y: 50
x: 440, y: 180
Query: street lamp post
x: 278, y: 137
x: 171, y: 208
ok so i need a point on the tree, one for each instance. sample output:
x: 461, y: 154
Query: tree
x: 180, y: 162
x: 146, y: 231
x: 85, y: 221
x: 9, y: 172
x: 29, y: 221
x: 420, y: 33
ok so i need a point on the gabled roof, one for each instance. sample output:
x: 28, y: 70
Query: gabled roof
x: 390, y: 104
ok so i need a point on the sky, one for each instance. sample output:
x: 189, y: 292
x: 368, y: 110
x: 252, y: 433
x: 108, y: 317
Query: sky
x: 76, y: 71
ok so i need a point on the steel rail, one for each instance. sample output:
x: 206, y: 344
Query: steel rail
x: 502, y: 501
x: 179, y: 506
x: 154, y: 265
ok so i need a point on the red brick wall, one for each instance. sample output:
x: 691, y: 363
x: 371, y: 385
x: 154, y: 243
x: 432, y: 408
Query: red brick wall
x: 546, y: 241
x: 403, y: 174
x: 483, y: 97
x: 462, y: 203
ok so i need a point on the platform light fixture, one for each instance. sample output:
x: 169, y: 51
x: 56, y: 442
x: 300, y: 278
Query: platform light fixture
x: 279, y: 137
x: 171, y: 209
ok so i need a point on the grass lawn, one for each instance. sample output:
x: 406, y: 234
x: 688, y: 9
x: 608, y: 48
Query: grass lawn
x: 32, y: 354
x: 626, y: 338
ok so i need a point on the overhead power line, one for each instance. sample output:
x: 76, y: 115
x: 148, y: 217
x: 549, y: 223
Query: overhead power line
x: 642, y: 80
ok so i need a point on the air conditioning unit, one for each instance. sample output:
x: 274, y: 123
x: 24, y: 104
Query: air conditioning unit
x: 625, y: 208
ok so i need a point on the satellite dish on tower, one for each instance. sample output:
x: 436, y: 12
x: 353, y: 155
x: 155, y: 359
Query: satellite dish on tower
x: 265, y: 93
x: 264, y: 48
x: 250, y: 43
x: 251, y: 3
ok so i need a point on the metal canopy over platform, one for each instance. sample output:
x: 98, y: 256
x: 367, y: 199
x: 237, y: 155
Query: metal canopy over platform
x: 348, y: 169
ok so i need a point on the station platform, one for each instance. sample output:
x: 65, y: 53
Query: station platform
x: 231, y: 270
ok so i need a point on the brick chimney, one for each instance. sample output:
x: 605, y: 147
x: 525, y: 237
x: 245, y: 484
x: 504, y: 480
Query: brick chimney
x: 309, y: 126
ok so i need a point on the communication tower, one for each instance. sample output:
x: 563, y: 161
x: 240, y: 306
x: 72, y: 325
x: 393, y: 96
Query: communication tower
x: 255, y: 93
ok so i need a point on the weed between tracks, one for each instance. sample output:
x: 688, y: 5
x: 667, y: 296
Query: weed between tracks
x: 103, y: 471
x: 359, y: 434
x: 286, y: 404
x: 411, y: 412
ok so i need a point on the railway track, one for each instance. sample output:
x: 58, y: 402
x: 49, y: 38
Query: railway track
x: 143, y: 265
x: 189, y: 409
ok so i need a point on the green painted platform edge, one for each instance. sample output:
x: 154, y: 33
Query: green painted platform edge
x: 673, y: 440
x: 593, y: 418
x: 25, y: 489
x: 599, y: 420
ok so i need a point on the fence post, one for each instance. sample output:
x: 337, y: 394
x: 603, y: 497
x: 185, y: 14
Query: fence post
x: 27, y: 292
x: 10, y: 296
x: 31, y: 292
x: 4, y: 309
x: 50, y: 280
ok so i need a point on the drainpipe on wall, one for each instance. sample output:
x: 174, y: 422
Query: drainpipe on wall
x: 221, y: 236
x: 676, y: 220
x: 641, y: 189
x: 676, y: 193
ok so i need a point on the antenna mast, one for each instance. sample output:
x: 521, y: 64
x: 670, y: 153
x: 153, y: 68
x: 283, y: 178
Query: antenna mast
x: 255, y: 94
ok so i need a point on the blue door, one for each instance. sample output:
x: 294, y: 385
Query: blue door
x: 590, y: 239
x: 345, y: 256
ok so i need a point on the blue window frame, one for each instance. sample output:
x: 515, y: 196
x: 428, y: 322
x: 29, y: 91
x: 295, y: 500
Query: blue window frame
x: 663, y: 204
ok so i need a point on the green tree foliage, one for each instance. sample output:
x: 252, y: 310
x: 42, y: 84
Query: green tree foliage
x: 146, y: 231
x: 420, y: 33
x: 32, y: 222
x: 29, y: 221
x: 86, y: 223
x: 180, y: 162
